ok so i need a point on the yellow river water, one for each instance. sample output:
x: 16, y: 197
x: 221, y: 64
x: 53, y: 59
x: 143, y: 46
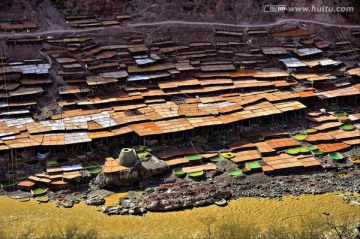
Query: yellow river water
x: 15, y: 217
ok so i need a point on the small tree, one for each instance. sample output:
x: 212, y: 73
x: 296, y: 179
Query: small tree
x: 281, y: 232
x: 311, y: 228
x: 232, y: 228
x: 342, y: 227
x: 208, y: 221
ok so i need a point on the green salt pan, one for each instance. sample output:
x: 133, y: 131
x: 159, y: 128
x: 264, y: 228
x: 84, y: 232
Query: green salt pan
x: 142, y: 154
x: 292, y: 151
x: 317, y: 152
x: 336, y: 156
x: 42, y: 199
x: 216, y: 159
x: 338, y: 114
x: 94, y: 170
x: 253, y: 165
x: 39, y: 191
x: 196, y: 174
x: 8, y: 183
x: 179, y: 172
x: 303, y: 150
x: 52, y: 163
x: 342, y: 118
x: 194, y: 157
x: 312, y: 147
x: 235, y: 173
x: 300, y: 136
x: 310, y: 131
x: 347, y: 127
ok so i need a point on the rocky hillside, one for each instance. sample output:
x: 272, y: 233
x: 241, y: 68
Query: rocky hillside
x: 205, y: 10
x: 230, y: 11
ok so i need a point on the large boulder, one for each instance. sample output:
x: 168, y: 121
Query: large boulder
x: 124, y: 177
x: 129, y: 176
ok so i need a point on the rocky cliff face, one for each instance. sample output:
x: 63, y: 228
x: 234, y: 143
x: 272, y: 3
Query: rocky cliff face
x: 141, y: 171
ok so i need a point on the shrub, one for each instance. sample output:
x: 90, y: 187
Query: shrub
x: 311, y: 227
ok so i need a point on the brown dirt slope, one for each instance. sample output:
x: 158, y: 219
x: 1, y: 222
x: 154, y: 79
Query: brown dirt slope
x: 42, y: 12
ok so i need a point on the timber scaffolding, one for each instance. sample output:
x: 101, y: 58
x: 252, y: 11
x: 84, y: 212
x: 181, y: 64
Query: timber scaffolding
x: 137, y: 92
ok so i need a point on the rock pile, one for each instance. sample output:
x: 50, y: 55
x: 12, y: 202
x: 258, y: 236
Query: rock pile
x: 95, y: 200
x: 114, y: 210
x: 181, y: 195
x: 296, y: 185
x: 66, y: 203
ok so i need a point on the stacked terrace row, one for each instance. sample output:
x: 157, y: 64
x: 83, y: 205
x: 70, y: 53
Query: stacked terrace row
x: 17, y: 26
x: 89, y: 21
x: 20, y: 83
x: 171, y: 89
x: 272, y: 150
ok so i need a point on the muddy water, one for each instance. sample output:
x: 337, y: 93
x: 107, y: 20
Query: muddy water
x: 16, y: 217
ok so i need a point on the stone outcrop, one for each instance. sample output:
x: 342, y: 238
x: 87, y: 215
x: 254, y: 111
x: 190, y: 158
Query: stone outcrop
x: 66, y: 203
x: 95, y: 200
x: 226, y: 165
x: 179, y: 195
x: 169, y: 197
x: 132, y: 175
x: 114, y: 210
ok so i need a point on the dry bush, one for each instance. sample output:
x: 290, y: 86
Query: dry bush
x: 72, y: 231
x: 311, y: 227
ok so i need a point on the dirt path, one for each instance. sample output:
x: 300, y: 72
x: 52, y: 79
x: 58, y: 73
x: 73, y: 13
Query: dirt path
x: 141, y: 24
x: 278, y: 22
